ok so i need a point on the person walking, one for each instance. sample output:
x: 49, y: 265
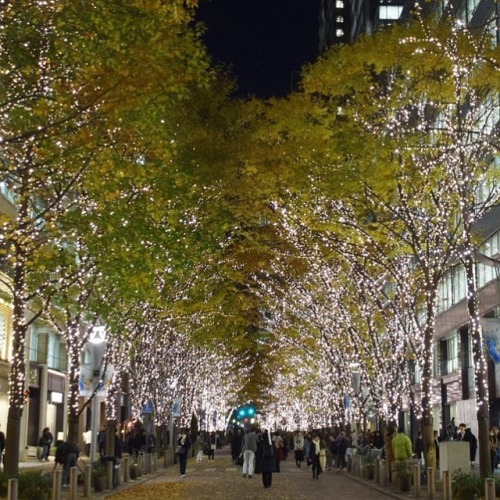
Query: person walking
x: 183, y: 445
x: 314, y: 452
x: 307, y: 448
x: 66, y: 455
x: 200, y: 447
x: 401, y: 444
x: 266, y: 453
x: 87, y: 440
x: 472, y: 440
x: 249, y: 447
x: 2, y: 447
x: 236, y: 445
x: 211, y: 446
x: 342, y: 445
x: 298, y: 446
x: 419, y: 448
x: 389, y: 451
x: 45, y: 442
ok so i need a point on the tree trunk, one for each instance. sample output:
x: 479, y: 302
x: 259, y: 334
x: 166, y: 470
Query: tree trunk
x: 480, y: 370
x: 73, y: 398
x: 11, y: 459
x: 427, y: 377
x: 17, y: 374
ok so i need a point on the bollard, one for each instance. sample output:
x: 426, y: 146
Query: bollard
x: 446, y: 485
x: 87, y: 480
x: 73, y: 483
x: 155, y: 462
x: 110, y: 469
x: 383, y: 472
x: 431, y: 483
x: 489, y: 486
x: 56, y: 485
x: 119, y: 472
x: 13, y: 489
x: 416, y: 479
x: 147, y: 463
x: 377, y: 471
x: 126, y: 469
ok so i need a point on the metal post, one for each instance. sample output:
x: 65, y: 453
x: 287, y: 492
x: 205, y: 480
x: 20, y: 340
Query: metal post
x: 118, y: 472
x: 431, y: 482
x: 377, y: 470
x: 416, y: 479
x: 383, y: 472
x: 73, y: 482
x: 110, y: 469
x: 87, y: 480
x: 147, y: 463
x: 489, y: 486
x: 56, y: 484
x: 446, y: 485
x: 94, y: 425
x: 126, y: 468
x: 13, y: 488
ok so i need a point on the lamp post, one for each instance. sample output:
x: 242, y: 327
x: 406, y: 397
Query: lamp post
x: 97, y: 348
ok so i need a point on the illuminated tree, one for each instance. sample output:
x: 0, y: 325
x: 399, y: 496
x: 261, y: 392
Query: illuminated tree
x: 418, y: 142
x: 69, y: 100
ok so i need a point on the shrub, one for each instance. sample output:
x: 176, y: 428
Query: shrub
x: 466, y: 486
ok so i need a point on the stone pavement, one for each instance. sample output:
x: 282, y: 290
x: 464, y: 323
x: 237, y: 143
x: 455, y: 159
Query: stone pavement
x: 222, y: 480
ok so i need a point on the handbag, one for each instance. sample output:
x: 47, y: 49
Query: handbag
x: 180, y: 450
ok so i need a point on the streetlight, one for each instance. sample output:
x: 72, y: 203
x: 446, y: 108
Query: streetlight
x: 97, y: 348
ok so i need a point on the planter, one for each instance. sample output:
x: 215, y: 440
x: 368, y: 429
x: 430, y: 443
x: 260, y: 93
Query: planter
x: 134, y: 472
x: 405, y: 483
x: 100, y: 483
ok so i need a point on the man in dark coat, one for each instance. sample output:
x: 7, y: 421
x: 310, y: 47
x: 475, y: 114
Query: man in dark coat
x: 472, y: 440
x: 66, y: 455
x: 266, y: 459
x: 236, y: 445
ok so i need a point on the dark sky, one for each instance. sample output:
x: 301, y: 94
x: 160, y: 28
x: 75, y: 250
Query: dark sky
x: 264, y: 42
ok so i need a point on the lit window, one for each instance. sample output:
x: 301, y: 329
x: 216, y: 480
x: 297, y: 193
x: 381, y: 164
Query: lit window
x: 340, y: 19
x: 339, y: 32
x: 390, y: 11
x: 339, y: 4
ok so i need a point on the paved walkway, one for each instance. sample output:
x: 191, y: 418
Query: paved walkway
x: 220, y: 480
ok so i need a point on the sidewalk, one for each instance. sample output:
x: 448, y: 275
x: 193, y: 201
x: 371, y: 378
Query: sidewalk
x: 221, y: 480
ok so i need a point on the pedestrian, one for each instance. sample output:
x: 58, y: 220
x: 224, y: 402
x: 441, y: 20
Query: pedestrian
x: 183, y: 445
x: 212, y: 444
x: 436, y: 447
x: 342, y: 445
x: 249, y: 447
x: 45, y: 442
x: 401, y: 444
x: 2, y: 447
x: 280, y: 453
x: 322, y: 454
x: 472, y: 440
x: 493, y: 449
x: 236, y: 445
x: 101, y: 440
x: 298, y: 446
x: 66, y: 455
x: 266, y: 452
x: 200, y: 447
x: 332, y: 448
x: 419, y: 448
x: 389, y: 451
x: 307, y: 447
x: 87, y: 440
x: 314, y: 452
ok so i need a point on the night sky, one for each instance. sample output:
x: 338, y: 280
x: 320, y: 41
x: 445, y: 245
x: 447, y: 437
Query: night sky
x: 263, y: 42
